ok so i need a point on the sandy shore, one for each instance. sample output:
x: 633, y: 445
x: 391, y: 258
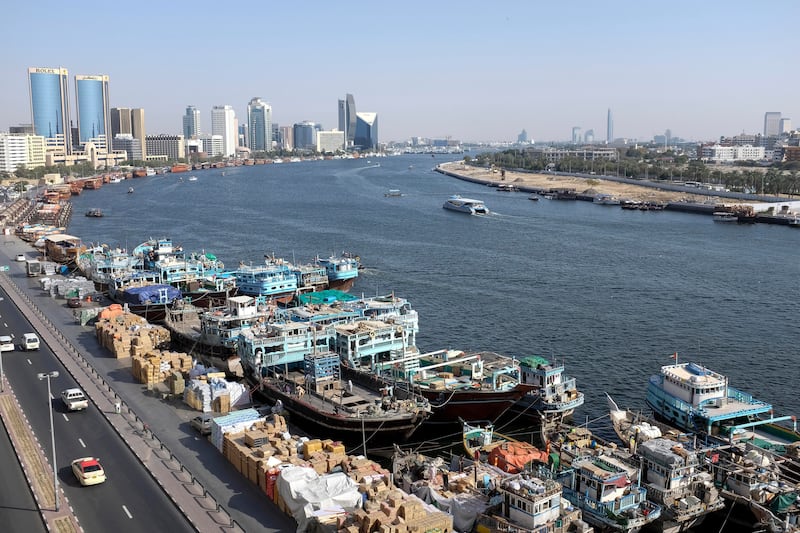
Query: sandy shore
x: 550, y: 181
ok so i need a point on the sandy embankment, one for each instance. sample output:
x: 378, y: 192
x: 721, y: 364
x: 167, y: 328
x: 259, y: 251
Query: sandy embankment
x: 550, y: 181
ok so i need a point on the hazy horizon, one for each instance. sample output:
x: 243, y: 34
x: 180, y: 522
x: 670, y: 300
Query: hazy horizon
x: 471, y: 71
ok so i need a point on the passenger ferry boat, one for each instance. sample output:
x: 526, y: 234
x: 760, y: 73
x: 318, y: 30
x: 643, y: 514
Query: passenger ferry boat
x: 465, y: 205
x: 693, y: 398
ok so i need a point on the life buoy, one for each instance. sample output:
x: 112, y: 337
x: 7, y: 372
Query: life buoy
x: 399, y: 329
x: 371, y: 334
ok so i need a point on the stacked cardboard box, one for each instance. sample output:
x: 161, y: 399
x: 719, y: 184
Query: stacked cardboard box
x: 158, y: 367
x: 126, y: 334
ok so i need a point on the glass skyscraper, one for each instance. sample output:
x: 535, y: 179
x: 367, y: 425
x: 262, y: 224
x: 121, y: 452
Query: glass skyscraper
x: 347, y: 118
x: 366, y: 135
x: 50, y: 106
x: 93, y: 109
x: 259, y: 120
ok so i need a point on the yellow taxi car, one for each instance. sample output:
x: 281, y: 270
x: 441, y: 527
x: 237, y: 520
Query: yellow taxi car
x: 88, y: 471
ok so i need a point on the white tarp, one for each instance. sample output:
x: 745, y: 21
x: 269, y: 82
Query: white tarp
x: 465, y: 507
x: 307, y: 494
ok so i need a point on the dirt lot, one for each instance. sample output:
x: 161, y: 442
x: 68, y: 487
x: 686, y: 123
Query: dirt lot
x: 549, y: 181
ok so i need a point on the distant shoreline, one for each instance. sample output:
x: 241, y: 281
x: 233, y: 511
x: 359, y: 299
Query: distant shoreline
x: 643, y: 192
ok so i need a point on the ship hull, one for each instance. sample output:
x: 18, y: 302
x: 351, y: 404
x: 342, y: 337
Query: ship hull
x: 353, y: 431
x: 448, y: 408
x: 343, y: 285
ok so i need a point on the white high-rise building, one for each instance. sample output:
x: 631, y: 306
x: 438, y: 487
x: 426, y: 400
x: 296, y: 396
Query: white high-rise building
x: 772, y: 123
x: 223, y: 123
x: 13, y: 152
x: 212, y: 144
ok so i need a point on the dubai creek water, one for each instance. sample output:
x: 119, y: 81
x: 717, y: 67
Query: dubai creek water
x: 610, y: 293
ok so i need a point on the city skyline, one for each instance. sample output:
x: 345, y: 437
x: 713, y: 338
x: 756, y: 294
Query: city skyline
x: 464, y: 73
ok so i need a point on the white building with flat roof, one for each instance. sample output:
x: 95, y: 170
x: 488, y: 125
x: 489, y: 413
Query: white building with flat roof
x: 728, y: 154
x: 330, y: 141
x: 172, y: 146
x: 13, y: 152
x: 223, y: 123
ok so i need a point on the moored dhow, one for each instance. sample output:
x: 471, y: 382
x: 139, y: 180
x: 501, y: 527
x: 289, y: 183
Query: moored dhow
x: 342, y: 270
x: 316, y: 394
x: 554, y: 397
x: 274, y: 279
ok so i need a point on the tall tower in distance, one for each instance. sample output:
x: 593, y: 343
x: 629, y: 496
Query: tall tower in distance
x: 50, y: 106
x: 191, y: 123
x: 609, y: 128
x: 772, y: 123
x: 94, y: 112
x: 576, y: 135
x: 138, y: 130
x: 347, y: 119
x: 223, y: 122
x: 259, y: 120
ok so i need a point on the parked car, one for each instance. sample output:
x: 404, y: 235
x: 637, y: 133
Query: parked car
x: 21, y: 258
x: 88, y: 471
x: 6, y: 343
x: 202, y: 424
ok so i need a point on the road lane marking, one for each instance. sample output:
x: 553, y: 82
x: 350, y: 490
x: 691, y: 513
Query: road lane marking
x: 127, y: 512
x: 65, y: 416
x: 29, y: 362
x: 82, y: 444
x: 5, y: 324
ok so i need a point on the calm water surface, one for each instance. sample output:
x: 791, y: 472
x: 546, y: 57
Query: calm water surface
x: 611, y: 293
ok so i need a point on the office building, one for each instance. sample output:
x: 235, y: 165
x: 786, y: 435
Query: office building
x: 131, y: 146
x: 588, y: 137
x: 212, y: 145
x: 772, y: 123
x: 609, y: 128
x: 366, y: 136
x: 727, y: 154
x: 13, y: 152
x: 223, y: 123
x: 22, y: 129
x: 347, y: 119
x: 576, y: 135
x: 287, y: 137
x: 171, y: 146
x: 191, y: 123
x: 522, y: 138
x: 49, y: 97
x: 138, y: 129
x: 120, y: 121
x: 93, y: 110
x: 786, y: 125
x: 259, y: 120
x: 244, y: 135
x: 330, y: 142
x: 305, y: 136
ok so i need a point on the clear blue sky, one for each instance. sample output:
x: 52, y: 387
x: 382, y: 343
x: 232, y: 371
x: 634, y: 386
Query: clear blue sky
x: 475, y: 71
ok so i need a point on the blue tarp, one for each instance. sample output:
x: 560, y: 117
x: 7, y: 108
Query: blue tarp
x: 151, y: 294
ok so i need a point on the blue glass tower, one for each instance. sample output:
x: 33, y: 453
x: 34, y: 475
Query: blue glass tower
x: 50, y: 106
x: 92, y: 108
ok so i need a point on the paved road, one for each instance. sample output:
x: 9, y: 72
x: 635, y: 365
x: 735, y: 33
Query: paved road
x: 168, y: 420
x: 18, y: 510
x: 130, y: 500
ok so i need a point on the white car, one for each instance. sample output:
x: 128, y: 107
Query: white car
x: 21, y: 258
x: 6, y: 343
x: 88, y: 471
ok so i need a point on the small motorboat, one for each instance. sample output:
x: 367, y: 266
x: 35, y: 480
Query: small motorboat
x: 192, y: 178
x: 130, y: 190
x: 94, y: 213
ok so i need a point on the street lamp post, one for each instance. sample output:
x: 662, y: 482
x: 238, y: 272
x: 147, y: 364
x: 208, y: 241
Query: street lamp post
x: 47, y: 376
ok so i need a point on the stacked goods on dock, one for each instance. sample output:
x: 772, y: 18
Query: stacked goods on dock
x: 316, y: 482
x: 126, y: 334
x: 160, y: 367
x: 210, y: 392
x: 77, y: 287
